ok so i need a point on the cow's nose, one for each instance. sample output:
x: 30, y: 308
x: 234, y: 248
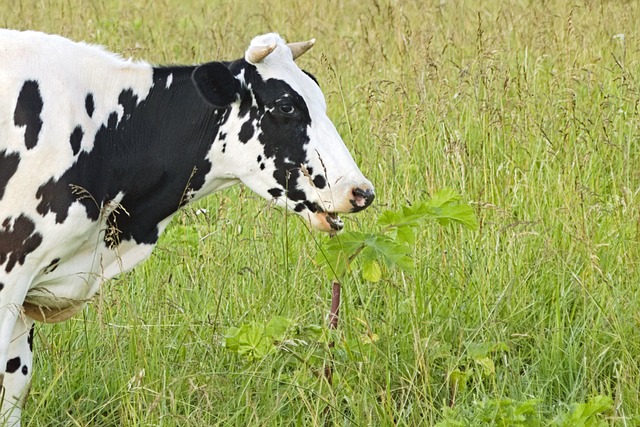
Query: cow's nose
x: 362, y: 198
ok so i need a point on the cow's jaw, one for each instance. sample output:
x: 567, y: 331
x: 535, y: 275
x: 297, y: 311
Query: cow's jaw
x: 326, y: 221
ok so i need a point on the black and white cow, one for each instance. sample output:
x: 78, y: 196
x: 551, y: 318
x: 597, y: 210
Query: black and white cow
x: 98, y: 153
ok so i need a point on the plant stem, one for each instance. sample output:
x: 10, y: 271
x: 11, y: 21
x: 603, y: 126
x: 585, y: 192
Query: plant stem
x: 333, y: 325
x: 335, y: 305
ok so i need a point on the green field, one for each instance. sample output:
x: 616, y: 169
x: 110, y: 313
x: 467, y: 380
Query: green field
x: 529, y: 109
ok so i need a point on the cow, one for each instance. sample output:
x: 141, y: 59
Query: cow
x: 97, y: 154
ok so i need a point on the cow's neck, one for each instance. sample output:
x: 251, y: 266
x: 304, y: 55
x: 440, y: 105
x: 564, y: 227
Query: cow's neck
x: 169, y: 134
x: 202, y: 123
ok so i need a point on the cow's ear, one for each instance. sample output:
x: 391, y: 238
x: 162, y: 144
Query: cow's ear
x: 216, y: 84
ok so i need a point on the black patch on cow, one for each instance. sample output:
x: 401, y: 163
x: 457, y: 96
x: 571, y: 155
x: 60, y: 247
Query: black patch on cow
x: 245, y: 106
x: 319, y: 181
x: 259, y: 160
x: 27, y: 112
x: 1, y: 286
x: 275, y: 192
x: 76, y: 139
x: 313, y: 207
x: 52, y: 266
x: 30, y: 338
x: 262, y: 166
x: 300, y: 207
x: 128, y: 100
x: 25, y: 370
x: 13, y: 365
x: 89, y: 105
x: 112, y: 121
x: 8, y: 167
x: 154, y: 155
x: 216, y: 84
x: 296, y: 195
x: 17, y: 240
x: 246, y: 132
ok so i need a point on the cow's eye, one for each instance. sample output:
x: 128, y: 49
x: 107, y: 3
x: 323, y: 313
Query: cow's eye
x: 287, y: 109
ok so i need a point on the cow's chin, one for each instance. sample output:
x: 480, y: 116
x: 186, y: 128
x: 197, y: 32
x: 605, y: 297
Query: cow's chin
x: 325, y: 221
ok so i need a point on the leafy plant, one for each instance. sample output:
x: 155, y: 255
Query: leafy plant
x: 495, y: 412
x: 587, y: 414
x: 256, y: 340
x: 509, y: 412
x: 477, y: 364
x: 390, y: 245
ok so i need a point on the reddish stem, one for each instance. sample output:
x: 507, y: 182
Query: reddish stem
x: 335, y: 306
x: 333, y: 325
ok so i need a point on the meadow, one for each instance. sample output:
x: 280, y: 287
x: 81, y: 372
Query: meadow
x: 530, y: 110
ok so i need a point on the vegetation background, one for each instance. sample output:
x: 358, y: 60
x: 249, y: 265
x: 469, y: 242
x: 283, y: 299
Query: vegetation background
x: 529, y: 109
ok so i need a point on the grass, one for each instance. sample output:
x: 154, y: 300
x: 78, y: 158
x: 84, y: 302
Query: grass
x: 529, y: 109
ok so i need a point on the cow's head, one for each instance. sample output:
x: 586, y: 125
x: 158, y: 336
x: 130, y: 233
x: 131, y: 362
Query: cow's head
x: 276, y: 136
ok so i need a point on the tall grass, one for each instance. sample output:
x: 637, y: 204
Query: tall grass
x: 529, y: 109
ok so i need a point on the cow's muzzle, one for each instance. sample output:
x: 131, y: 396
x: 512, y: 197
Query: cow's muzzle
x: 362, y: 198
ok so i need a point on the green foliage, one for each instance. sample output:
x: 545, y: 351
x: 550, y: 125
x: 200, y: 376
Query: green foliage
x: 587, y: 414
x: 499, y: 413
x: 445, y: 206
x: 392, y: 245
x: 255, y: 340
x: 480, y: 354
x: 527, y: 413
x: 475, y: 366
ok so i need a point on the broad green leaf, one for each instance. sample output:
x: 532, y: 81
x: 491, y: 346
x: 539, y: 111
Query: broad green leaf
x: 597, y: 405
x: 588, y: 414
x: 277, y: 327
x: 407, y: 216
x: 444, y: 206
x: 371, y: 271
x: 369, y: 338
x: 460, y: 378
x: 391, y: 253
x: 231, y: 339
x: 444, y: 197
x: 252, y: 342
x: 462, y: 214
x: 390, y: 217
x: 405, y: 234
x: 312, y: 332
x: 529, y: 407
x: 484, y: 349
x: 338, y: 251
x: 393, y: 249
x: 488, y: 367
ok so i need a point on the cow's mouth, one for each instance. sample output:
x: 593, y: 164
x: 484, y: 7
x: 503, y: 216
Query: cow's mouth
x: 326, y: 221
x: 335, y: 222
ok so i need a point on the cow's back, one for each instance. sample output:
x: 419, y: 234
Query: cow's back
x: 55, y: 95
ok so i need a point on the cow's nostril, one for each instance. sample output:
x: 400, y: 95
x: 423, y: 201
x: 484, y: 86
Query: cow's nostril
x: 362, y: 198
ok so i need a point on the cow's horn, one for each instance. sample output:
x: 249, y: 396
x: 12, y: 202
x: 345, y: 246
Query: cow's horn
x: 257, y: 54
x: 298, y: 48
